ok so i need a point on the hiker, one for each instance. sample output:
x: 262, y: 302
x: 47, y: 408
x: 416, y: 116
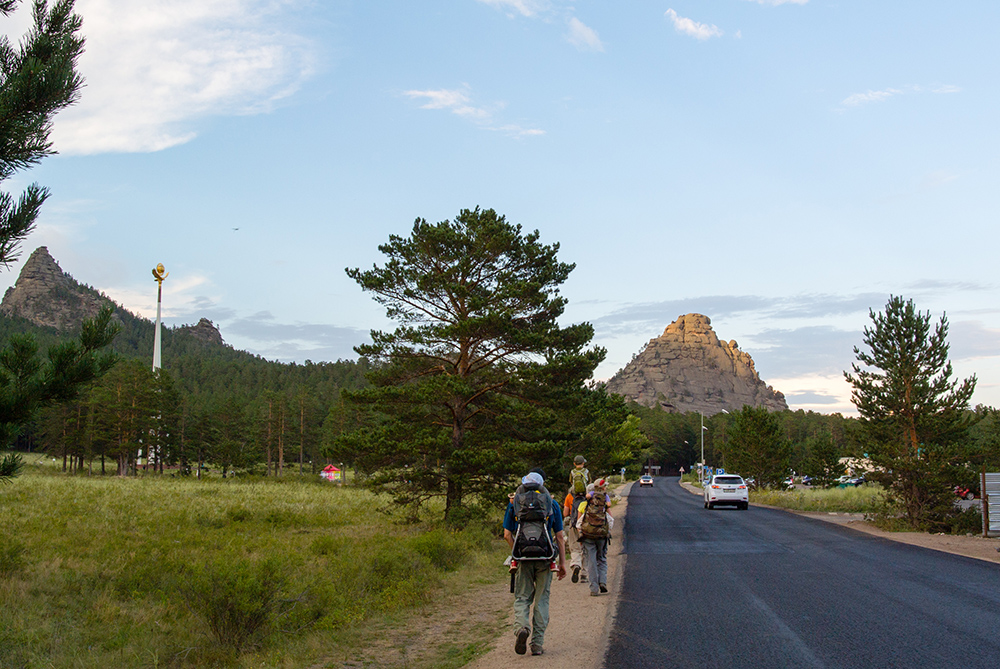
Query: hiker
x: 533, y: 529
x: 579, y: 479
x: 594, y: 526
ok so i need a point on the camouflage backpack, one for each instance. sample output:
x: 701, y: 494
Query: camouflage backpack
x: 595, y: 518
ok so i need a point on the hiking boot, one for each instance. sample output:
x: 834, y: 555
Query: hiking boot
x: 576, y: 574
x: 583, y: 578
x: 604, y: 588
x: 594, y: 593
x: 536, y: 649
x: 521, y: 644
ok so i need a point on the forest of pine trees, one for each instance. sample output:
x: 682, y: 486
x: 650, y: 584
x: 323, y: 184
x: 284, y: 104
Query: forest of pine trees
x: 211, y: 406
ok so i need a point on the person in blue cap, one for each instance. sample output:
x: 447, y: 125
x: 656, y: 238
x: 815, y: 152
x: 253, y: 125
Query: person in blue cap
x: 533, y: 578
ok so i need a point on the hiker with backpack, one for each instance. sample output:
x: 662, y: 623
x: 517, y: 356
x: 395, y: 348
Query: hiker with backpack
x: 533, y: 527
x: 594, y: 527
x: 579, y: 479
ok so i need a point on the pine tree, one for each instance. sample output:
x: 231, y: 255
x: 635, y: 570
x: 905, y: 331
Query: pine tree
x: 38, y: 78
x: 757, y: 447
x: 466, y: 388
x: 913, y: 415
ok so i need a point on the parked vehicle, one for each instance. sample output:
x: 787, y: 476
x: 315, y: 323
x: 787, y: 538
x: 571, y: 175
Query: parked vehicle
x: 727, y: 489
x: 807, y: 480
x: 965, y: 492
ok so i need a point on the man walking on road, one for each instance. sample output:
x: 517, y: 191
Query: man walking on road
x: 533, y: 578
x: 595, y: 528
x: 579, y: 479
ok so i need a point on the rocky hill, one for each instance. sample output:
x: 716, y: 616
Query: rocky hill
x: 49, y: 297
x: 688, y: 368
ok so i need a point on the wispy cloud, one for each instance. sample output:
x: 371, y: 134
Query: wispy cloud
x: 643, y: 317
x: 583, y: 37
x: 458, y: 101
x: 871, y: 96
x: 518, y: 7
x: 775, y: 3
x: 153, y: 68
x: 858, y: 99
x: 700, y: 31
x: 454, y: 100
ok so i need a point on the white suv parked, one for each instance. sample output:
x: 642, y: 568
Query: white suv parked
x: 727, y: 489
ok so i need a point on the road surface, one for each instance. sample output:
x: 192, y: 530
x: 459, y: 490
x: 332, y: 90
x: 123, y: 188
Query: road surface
x: 766, y: 588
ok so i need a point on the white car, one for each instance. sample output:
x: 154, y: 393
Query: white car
x: 646, y: 480
x: 727, y: 489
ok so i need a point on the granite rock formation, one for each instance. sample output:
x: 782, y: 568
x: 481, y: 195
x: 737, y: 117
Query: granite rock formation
x: 47, y: 296
x: 688, y: 368
x: 204, y: 331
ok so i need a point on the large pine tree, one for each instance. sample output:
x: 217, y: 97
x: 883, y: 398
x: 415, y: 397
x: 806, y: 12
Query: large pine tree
x: 913, y: 418
x: 465, y: 390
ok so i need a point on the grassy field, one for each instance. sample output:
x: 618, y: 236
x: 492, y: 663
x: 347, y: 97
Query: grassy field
x: 862, y: 499
x: 167, y: 572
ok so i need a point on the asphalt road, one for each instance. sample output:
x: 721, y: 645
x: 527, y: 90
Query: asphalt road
x: 767, y: 588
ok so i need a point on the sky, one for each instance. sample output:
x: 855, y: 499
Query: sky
x: 781, y: 166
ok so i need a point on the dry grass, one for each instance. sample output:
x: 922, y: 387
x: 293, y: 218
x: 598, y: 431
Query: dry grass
x: 132, y: 572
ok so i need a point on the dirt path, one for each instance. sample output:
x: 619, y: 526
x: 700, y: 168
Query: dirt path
x: 579, y: 625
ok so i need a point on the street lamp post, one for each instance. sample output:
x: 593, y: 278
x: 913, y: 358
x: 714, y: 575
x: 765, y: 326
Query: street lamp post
x: 703, y: 428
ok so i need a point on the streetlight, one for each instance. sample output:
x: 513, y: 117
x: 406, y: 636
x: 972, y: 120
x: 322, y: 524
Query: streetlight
x: 703, y: 428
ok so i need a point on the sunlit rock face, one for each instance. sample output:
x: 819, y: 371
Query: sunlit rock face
x: 49, y: 297
x: 688, y: 368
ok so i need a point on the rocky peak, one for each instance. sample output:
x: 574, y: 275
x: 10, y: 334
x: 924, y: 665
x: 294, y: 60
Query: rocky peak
x: 47, y: 296
x: 204, y: 331
x: 688, y: 368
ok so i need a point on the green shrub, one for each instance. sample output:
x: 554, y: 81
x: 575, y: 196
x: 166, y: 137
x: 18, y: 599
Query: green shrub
x: 445, y: 550
x: 327, y: 545
x: 237, y: 599
x: 968, y: 521
x: 11, y: 557
x: 239, y: 514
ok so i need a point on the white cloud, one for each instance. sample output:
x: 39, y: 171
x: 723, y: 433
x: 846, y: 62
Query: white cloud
x: 522, y: 7
x: 153, y: 68
x: 871, y: 96
x: 517, y: 131
x: 858, y: 99
x: 775, y: 3
x: 701, y: 31
x: 178, y: 296
x: 455, y: 101
x: 458, y: 101
x: 583, y: 37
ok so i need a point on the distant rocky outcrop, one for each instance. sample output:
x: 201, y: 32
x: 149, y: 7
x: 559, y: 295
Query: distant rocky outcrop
x: 688, y: 368
x: 204, y: 331
x: 47, y: 296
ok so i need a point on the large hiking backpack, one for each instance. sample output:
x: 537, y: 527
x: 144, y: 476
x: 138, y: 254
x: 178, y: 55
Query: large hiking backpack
x: 578, y: 481
x: 594, y: 524
x: 532, y: 508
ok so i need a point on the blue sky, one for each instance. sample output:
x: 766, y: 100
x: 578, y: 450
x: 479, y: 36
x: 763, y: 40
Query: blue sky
x: 780, y: 166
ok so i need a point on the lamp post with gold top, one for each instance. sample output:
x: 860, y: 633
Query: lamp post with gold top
x: 159, y: 274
